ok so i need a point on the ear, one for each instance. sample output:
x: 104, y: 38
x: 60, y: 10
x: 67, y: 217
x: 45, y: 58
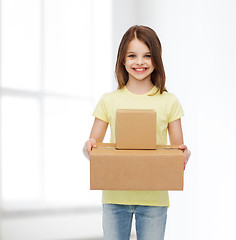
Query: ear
x: 124, y: 62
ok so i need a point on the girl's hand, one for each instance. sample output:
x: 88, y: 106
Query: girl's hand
x: 187, y: 153
x: 88, y: 146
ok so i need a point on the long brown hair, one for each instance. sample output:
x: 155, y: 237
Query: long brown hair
x: 149, y: 37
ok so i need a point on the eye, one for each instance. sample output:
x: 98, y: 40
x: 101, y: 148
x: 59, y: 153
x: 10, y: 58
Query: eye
x: 148, y: 55
x: 131, y: 55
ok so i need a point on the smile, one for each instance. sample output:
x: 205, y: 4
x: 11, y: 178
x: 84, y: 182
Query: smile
x: 140, y: 70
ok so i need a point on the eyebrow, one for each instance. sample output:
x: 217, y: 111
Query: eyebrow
x: 134, y: 52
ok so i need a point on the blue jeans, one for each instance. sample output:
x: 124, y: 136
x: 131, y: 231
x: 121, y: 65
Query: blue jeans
x: 117, y: 221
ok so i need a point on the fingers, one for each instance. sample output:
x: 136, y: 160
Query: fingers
x: 187, y: 153
x: 185, y: 162
x: 91, y: 143
x: 88, y: 146
x: 183, y: 147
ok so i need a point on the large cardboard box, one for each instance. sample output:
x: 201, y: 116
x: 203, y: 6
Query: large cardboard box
x: 135, y: 129
x: 159, y: 169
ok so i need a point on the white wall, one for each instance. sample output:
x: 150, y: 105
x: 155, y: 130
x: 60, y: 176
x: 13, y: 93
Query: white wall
x: 123, y: 16
x: 215, y: 61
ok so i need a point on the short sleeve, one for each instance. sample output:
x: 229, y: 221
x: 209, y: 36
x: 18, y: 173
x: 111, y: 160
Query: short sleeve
x: 100, y: 110
x: 176, y: 110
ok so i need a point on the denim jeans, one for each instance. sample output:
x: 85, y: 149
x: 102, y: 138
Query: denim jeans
x: 117, y: 221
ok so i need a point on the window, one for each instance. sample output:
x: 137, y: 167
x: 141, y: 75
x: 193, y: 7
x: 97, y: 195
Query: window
x: 56, y: 63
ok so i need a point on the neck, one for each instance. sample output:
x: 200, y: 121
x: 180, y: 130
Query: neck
x: 139, y: 87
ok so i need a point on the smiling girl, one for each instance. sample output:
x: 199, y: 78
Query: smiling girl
x: 141, y: 85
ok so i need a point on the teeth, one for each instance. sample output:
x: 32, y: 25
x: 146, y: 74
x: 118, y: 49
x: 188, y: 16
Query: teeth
x: 139, y: 69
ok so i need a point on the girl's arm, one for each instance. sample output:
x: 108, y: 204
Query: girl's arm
x: 176, y: 138
x: 97, y: 135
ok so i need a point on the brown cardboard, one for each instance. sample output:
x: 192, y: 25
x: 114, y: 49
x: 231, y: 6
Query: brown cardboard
x: 160, y: 169
x: 135, y: 129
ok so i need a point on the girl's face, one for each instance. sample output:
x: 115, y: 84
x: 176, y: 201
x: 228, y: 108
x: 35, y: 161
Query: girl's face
x: 138, y: 61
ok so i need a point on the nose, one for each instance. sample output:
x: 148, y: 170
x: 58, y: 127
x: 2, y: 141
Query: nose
x: 139, y: 60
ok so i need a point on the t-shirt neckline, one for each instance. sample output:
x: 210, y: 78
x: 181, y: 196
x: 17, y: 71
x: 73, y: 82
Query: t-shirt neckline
x: 145, y: 94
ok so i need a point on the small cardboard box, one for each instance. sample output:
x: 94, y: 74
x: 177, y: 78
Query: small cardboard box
x: 112, y: 169
x: 135, y: 129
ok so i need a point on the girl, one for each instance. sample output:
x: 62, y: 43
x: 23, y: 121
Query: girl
x: 141, y: 85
